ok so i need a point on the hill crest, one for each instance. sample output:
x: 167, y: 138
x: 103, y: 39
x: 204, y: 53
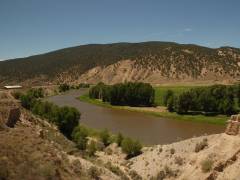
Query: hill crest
x: 162, y: 61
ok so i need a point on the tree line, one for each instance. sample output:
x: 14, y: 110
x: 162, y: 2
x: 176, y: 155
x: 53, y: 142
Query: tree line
x: 219, y: 99
x: 66, y: 87
x: 66, y: 118
x: 129, y: 93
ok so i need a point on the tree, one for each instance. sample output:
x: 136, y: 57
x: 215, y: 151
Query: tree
x: 131, y: 148
x: 27, y: 101
x: 184, y: 103
x: 68, y: 119
x: 170, y: 104
x: 79, y: 136
x: 238, y: 94
x: 167, y: 95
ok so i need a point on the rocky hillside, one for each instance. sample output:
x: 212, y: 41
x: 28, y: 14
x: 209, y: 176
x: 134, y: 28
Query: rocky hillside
x: 154, y: 62
x: 31, y: 148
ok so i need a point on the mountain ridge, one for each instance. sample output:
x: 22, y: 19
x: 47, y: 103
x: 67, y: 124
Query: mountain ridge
x: 70, y: 64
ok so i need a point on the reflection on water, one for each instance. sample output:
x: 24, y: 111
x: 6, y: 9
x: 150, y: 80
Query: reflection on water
x: 148, y: 129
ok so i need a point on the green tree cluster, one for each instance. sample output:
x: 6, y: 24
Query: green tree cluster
x: 79, y: 136
x: 132, y: 94
x: 66, y: 118
x: 219, y: 99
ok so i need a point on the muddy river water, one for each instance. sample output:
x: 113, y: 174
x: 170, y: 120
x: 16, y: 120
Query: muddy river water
x: 146, y: 128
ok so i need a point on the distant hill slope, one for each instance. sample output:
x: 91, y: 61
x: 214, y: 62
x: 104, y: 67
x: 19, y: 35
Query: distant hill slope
x: 153, y: 62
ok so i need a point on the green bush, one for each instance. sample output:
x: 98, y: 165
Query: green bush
x: 131, y: 147
x: 119, y: 139
x: 17, y: 94
x: 206, y: 165
x: 79, y: 136
x: 200, y: 146
x: 91, y: 148
x: 105, y: 137
x: 68, y: 119
x: 27, y: 101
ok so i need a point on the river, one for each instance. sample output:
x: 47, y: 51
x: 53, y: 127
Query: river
x: 146, y: 128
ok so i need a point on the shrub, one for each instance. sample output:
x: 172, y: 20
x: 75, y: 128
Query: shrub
x: 36, y: 93
x: 91, y: 148
x: 179, y: 160
x: 79, y: 136
x: 105, y: 137
x: 206, y: 165
x: 119, y: 139
x: 17, y: 94
x: 83, y: 85
x: 134, y: 175
x: 93, y: 172
x: 131, y: 148
x: 116, y: 170
x: 27, y: 101
x: 172, y: 151
x: 169, y: 172
x: 200, y: 146
x: 64, y: 87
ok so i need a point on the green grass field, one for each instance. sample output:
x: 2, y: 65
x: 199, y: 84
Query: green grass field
x: 220, y: 119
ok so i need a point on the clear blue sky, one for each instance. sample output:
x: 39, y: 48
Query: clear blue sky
x: 30, y: 27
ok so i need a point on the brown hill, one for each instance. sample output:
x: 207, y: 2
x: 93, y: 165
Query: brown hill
x: 153, y: 62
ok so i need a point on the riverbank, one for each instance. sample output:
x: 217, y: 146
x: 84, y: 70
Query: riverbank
x: 160, y: 112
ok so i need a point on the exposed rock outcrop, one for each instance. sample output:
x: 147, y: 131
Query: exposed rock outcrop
x: 233, y: 125
x: 9, y: 111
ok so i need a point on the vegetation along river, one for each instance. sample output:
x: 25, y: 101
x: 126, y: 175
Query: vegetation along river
x: 146, y: 128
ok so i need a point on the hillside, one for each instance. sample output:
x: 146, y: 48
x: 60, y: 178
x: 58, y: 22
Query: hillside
x: 153, y: 62
x: 31, y: 147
